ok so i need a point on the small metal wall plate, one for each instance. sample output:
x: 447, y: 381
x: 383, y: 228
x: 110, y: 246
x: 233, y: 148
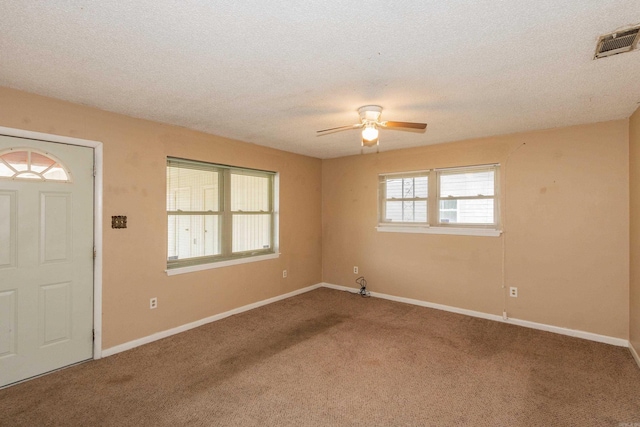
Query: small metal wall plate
x: 119, y: 221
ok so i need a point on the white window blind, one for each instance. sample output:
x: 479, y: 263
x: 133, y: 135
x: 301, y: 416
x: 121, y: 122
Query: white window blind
x: 467, y: 196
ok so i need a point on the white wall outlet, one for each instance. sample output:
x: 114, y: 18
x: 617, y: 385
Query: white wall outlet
x: 284, y: 274
x: 153, y: 303
x: 513, y: 292
x: 355, y: 269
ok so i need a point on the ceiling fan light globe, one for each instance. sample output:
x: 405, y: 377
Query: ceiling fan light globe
x: 370, y: 133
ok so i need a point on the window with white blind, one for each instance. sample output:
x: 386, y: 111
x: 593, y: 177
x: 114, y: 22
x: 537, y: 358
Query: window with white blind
x: 218, y: 213
x: 446, y: 201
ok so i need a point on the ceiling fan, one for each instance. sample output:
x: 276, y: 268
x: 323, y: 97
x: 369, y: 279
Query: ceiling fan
x: 370, y: 122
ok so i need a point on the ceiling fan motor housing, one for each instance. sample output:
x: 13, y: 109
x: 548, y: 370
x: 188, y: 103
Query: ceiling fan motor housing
x: 370, y: 113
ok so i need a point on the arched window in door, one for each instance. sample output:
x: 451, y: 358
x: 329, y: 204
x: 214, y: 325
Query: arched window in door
x: 31, y: 164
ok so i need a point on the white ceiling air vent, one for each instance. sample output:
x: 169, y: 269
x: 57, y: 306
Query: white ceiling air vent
x: 618, y: 42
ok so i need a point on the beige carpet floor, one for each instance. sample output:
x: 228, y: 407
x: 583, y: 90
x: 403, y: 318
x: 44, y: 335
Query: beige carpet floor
x: 330, y: 358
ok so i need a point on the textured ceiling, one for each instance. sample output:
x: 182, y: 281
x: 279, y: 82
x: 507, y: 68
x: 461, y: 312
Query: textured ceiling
x: 272, y: 73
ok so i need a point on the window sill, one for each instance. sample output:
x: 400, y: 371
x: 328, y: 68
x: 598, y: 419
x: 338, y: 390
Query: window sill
x: 201, y: 267
x: 460, y: 231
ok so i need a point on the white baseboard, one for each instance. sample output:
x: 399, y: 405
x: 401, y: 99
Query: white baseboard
x: 620, y: 342
x: 527, y: 324
x: 634, y: 354
x: 420, y: 303
x: 159, y: 335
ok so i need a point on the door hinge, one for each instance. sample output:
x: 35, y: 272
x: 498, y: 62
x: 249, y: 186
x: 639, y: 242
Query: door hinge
x: 93, y: 334
x: 94, y: 252
x: 94, y: 171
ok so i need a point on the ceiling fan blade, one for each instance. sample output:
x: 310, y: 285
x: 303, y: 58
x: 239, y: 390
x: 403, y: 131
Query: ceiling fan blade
x: 356, y: 126
x: 405, y: 125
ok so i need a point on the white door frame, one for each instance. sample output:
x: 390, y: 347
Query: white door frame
x: 97, y: 218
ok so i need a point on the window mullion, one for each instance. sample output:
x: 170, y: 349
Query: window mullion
x: 227, y: 215
x: 407, y: 199
x: 467, y: 197
x: 251, y: 212
x: 433, y: 215
x: 193, y: 212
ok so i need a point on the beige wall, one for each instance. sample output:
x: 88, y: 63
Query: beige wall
x: 565, y: 215
x: 634, y: 280
x: 135, y: 154
x: 565, y: 212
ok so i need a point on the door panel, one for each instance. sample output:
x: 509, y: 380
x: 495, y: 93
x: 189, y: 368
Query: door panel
x: 55, y: 227
x: 7, y: 323
x: 55, y: 313
x: 8, y: 233
x: 46, y: 274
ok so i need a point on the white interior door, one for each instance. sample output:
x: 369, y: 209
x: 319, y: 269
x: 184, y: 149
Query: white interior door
x: 46, y: 257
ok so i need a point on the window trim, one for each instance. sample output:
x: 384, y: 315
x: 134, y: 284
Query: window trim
x: 460, y: 231
x: 219, y: 264
x: 433, y: 225
x: 227, y: 257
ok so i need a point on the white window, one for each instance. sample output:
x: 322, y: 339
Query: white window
x: 218, y: 213
x: 464, y: 201
x: 403, y: 198
x: 467, y: 196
